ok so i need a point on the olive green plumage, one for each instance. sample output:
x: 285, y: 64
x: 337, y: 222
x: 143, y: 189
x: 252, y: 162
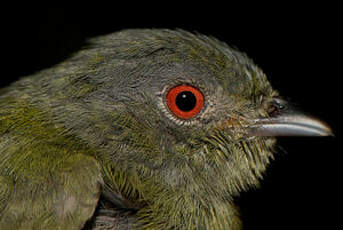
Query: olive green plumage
x: 95, y: 131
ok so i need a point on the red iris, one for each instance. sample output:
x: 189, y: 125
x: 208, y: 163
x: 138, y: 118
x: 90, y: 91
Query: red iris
x: 185, y: 101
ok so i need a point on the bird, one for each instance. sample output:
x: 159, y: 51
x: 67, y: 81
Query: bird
x: 140, y: 129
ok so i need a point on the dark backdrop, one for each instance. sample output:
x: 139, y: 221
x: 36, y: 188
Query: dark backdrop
x: 297, y: 47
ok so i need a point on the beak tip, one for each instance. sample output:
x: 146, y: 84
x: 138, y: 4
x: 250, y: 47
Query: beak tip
x: 322, y: 127
x: 329, y: 132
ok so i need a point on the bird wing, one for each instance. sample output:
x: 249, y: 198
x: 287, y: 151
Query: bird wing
x: 49, y: 178
x: 66, y: 199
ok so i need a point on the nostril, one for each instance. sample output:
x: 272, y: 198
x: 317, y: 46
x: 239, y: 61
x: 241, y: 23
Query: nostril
x: 279, y: 103
x: 276, y: 106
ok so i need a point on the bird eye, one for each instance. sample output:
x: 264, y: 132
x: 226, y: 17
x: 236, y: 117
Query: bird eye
x: 185, y: 101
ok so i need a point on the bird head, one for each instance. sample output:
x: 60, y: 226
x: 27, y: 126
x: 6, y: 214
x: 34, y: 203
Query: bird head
x: 180, y: 122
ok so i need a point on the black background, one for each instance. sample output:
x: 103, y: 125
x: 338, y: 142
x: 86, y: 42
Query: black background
x: 298, y: 47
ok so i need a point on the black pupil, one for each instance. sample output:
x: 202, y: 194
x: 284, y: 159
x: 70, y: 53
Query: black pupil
x: 186, y: 101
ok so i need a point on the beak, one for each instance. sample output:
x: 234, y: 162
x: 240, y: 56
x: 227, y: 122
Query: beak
x: 289, y: 122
